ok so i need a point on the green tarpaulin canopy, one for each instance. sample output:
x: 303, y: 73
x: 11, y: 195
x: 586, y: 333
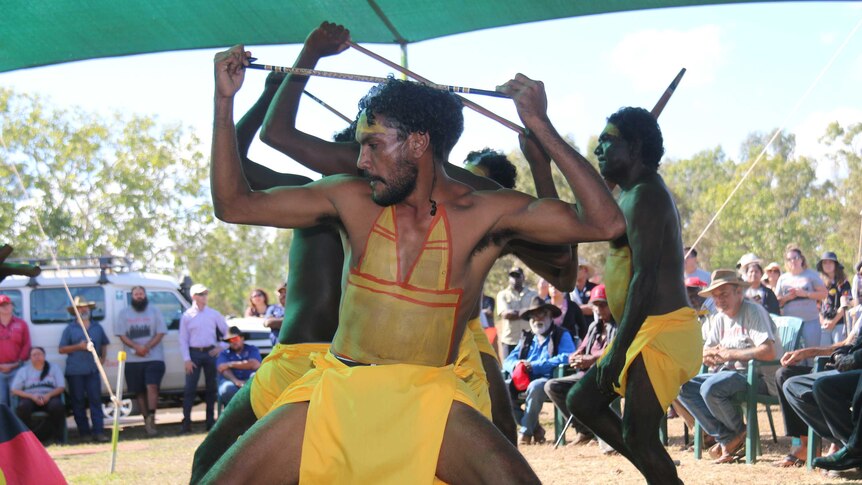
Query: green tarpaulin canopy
x: 41, y: 32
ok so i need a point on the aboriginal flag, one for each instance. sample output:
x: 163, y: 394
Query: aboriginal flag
x: 23, y: 459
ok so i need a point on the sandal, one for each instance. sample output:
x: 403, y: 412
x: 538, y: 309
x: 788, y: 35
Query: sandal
x: 789, y: 461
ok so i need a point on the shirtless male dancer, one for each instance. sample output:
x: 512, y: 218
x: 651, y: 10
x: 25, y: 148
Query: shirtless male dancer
x: 658, y: 344
x: 313, y: 287
x: 556, y: 264
x: 385, y: 404
x: 314, y: 291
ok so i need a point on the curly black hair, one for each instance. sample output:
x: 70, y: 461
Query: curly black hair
x: 638, y: 124
x: 498, y: 166
x: 415, y: 108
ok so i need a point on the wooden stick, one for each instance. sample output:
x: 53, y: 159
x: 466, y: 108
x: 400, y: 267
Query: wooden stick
x: 659, y: 107
x: 371, y: 79
x: 330, y: 108
x: 467, y: 102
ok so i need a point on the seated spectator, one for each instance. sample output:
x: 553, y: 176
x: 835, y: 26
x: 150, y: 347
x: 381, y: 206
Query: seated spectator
x: 597, y: 338
x: 572, y: 318
x: 274, y: 315
x: 38, y: 386
x: 834, y: 390
x: 739, y: 332
x: 235, y: 364
x: 796, y: 381
x: 828, y: 402
x: 534, y: 358
x: 751, y: 271
x: 693, y: 287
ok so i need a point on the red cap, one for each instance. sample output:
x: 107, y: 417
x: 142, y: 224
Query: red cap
x: 598, y: 294
x: 4, y: 299
x: 695, y: 282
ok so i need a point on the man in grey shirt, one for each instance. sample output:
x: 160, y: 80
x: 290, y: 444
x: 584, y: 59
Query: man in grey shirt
x: 141, y: 328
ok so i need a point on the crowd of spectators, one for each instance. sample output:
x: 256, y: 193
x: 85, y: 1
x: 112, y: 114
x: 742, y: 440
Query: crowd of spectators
x: 736, y: 308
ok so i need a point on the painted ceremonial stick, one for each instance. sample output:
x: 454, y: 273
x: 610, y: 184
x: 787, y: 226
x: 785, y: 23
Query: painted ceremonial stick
x: 371, y: 79
x: 330, y: 108
x: 659, y: 107
x: 467, y: 102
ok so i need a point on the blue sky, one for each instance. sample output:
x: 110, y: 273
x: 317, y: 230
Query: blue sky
x: 748, y: 66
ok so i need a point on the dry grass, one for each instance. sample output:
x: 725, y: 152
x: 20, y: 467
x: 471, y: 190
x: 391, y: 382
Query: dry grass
x: 167, y: 460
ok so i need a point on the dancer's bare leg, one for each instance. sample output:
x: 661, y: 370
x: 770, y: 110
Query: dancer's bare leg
x: 492, y: 458
x: 591, y: 406
x: 269, y: 452
x: 641, y: 421
x: 235, y: 420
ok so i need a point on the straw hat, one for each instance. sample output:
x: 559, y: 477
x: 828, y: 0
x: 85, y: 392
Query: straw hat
x: 80, y: 302
x: 721, y: 277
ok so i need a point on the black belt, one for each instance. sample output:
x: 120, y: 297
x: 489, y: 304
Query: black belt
x: 202, y: 349
x: 348, y: 362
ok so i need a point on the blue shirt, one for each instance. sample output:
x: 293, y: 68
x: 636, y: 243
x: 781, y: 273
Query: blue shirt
x: 248, y: 352
x: 80, y: 362
x: 543, y: 365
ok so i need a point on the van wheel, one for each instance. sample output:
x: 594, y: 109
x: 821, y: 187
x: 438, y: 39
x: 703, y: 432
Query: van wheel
x: 127, y: 408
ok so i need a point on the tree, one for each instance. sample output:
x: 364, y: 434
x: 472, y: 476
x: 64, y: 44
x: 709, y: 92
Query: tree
x: 116, y: 185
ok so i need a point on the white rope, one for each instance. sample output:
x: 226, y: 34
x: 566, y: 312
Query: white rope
x: 778, y: 132
x: 90, y: 347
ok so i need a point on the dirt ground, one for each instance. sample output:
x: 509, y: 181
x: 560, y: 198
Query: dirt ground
x: 167, y: 460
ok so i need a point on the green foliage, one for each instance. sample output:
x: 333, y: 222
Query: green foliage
x: 125, y: 185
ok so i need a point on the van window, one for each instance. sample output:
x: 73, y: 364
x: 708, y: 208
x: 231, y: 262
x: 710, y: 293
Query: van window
x: 167, y: 303
x: 15, y: 296
x: 48, y: 305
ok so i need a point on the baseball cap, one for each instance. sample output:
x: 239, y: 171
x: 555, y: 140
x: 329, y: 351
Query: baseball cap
x: 4, y: 299
x: 197, y: 289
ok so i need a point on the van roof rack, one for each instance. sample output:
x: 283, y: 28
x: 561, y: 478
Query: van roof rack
x: 82, y: 265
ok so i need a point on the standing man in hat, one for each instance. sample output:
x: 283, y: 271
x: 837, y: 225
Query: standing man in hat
x: 235, y: 364
x: 739, y: 332
x: 200, y: 347
x: 82, y: 374
x: 510, y: 302
x: 14, y: 346
x: 540, y: 350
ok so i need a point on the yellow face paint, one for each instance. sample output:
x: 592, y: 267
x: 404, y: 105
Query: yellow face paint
x: 364, y: 129
x: 477, y: 169
x: 612, y: 130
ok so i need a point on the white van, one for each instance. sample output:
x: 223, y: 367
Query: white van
x: 41, y: 301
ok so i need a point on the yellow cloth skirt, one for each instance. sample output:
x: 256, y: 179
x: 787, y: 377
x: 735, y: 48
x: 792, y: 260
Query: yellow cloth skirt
x: 672, y: 349
x: 474, y: 327
x: 284, y: 365
x: 469, y: 366
x: 378, y: 424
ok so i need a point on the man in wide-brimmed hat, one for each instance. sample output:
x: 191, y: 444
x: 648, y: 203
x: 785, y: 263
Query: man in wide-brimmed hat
x: 235, y: 364
x: 741, y: 330
x: 531, y: 363
x: 82, y: 373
